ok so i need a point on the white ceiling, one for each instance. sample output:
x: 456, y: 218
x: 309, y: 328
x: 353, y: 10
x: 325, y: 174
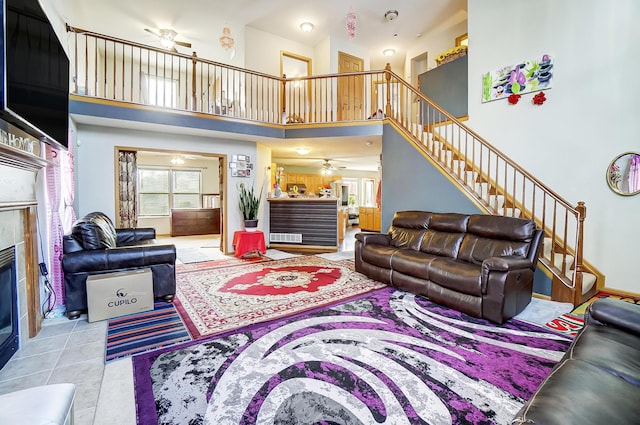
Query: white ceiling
x: 200, y: 23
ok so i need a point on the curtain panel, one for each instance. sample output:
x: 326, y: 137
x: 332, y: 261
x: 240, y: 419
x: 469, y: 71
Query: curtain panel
x: 54, y: 224
x: 127, y: 189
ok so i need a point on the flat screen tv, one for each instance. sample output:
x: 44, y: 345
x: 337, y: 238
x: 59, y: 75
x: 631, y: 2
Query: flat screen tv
x: 35, y: 80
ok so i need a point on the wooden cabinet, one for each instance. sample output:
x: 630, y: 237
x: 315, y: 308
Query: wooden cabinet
x: 199, y: 221
x: 370, y: 219
x: 313, y: 182
x: 342, y: 223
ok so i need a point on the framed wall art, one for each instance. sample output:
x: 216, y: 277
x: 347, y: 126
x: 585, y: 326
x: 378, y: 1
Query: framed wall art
x: 525, y: 77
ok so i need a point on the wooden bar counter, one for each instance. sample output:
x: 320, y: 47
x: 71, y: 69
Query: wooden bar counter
x: 304, y: 223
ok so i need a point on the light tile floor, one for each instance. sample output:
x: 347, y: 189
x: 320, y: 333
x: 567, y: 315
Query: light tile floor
x: 63, y: 351
x: 73, y: 351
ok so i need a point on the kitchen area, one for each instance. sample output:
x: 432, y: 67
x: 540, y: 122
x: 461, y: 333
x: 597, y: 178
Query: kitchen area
x: 313, y: 211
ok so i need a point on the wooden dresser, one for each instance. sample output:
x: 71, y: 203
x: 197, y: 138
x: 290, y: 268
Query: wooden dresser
x: 195, y: 221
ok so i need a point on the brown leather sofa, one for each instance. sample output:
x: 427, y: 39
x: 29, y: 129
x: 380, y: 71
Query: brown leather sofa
x: 95, y: 246
x: 598, y: 380
x: 481, y: 265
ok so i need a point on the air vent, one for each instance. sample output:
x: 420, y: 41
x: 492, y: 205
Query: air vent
x: 285, y: 237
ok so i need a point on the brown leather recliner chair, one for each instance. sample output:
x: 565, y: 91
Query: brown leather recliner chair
x: 95, y: 246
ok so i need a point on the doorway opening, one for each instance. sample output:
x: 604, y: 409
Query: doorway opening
x: 178, y: 193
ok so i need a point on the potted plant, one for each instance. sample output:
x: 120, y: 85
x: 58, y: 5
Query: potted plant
x: 249, y: 204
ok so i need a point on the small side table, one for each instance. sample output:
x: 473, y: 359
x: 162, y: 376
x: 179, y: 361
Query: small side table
x: 246, y: 243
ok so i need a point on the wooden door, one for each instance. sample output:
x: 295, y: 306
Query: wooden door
x: 350, y: 89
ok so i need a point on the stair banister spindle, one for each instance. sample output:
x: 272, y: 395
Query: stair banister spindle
x: 523, y: 194
x: 283, y: 99
x: 565, y: 247
x: 581, y: 208
x: 506, y: 190
x: 387, y: 77
x: 553, y: 233
x: 194, y: 64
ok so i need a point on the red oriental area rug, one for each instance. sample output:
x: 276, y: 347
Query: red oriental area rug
x: 214, y: 300
x: 223, y: 262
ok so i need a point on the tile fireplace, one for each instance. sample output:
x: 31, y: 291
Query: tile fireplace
x: 18, y: 239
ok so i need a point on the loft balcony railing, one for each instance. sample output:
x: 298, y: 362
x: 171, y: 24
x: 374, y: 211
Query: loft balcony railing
x: 112, y: 69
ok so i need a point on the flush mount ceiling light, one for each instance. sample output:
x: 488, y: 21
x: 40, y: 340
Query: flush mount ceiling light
x: 390, y: 15
x: 306, y: 26
x: 303, y: 151
x: 388, y: 52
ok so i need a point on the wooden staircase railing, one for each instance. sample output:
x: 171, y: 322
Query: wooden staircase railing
x: 114, y: 69
x: 499, y: 186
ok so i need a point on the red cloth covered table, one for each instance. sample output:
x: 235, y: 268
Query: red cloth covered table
x: 245, y: 243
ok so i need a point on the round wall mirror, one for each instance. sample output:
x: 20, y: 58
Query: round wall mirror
x: 623, y: 174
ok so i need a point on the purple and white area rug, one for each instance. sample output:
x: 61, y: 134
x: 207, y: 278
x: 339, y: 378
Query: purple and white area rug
x: 388, y: 357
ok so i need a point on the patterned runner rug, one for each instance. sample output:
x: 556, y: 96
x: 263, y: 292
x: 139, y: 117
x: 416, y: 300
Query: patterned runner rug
x: 216, y: 300
x: 387, y: 357
x: 566, y: 324
x: 140, y: 332
x: 582, y: 308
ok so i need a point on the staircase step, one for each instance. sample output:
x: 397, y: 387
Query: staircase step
x: 417, y: 131
x: 470, y: 177
x: 546, y: 253
x: 509, y: 212
x: 588, y: 280
x: 482, y: 189
x: 496, y: 201
x: 436, y: 147
x: 558, y: 259
x: 458, y: 164
x: 446, y: 156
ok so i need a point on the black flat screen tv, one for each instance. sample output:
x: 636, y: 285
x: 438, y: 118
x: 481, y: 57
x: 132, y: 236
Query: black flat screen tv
x: 35, y: 80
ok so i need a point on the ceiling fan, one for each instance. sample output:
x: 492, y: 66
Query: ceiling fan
x: 168, y: 39
x: 328, y: 168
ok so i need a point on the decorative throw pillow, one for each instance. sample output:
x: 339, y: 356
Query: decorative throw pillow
x: 95, y: 231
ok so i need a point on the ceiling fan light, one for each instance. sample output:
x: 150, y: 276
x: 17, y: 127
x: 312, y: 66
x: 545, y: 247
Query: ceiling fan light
x: 388, y: 52
x: 306, y: 26
x: 327, y: 168
x: 303, y: 151
x: 167, y: 43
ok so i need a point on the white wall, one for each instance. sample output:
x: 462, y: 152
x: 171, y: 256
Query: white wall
x: 263, y: 182
x: 349, y: 47
x: 590, y: 117
x: 433, y: 43
x: 262, y: 51
x: 322, y: 57
x: 95, y: 165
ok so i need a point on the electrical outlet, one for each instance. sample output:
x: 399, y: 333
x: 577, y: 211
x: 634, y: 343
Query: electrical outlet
x: 43, y: 269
